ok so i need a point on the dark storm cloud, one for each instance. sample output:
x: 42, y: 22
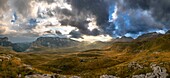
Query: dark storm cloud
x: 144, y: 4
x: 135, y: 21
x: 133, y: 16
x: 66, y: 12
x: 75, y: 34
x: 82, y: 25
x: 81, y: 10
x: 96, y: 32
x: 160, y: 8
x: 99, y: 8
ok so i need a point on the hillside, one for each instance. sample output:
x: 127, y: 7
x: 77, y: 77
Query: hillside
x: 152, y: 44
x: 149, y: 58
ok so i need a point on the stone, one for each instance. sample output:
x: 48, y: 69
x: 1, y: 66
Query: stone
x: 139, y: 76
x: 108, y: 76
x: 135, y: 65
x: 158, y: 72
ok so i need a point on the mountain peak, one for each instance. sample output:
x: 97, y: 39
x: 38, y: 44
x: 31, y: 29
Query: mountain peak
x: 54, y: 42
x: 148, y: 36
x: 123, y: 39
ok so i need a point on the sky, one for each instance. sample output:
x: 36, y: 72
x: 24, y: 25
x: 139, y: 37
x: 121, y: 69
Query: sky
x: 82, y: 20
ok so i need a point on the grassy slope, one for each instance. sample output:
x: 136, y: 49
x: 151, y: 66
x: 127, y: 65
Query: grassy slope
x: 113, y: 61
x: 11, y: 66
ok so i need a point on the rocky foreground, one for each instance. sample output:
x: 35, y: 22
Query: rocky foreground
x: 146, y: 58
x: 157, y: 71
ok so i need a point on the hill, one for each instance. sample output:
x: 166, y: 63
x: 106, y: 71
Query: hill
x: 147, y: 58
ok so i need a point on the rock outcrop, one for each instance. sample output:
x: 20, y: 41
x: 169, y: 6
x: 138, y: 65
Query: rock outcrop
x: 158, y: 72
x: 134, y: 65
x: 108, y: 76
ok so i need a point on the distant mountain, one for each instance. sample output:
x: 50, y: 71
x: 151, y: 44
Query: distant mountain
x: 64, y: 45
x: 148, y: 36
x: 20, y: 47
x: 123, y: 39
x: 5, y: 42
x: 152, y: 42
x: 54, y: 42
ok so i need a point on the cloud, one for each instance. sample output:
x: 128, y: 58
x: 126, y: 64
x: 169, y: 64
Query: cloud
x: 22, y: 7
x: 80, y: 18
x: 91, y: 39
x: 75, y: 34
x: 135, y: 16
x: 3, y: 6
x: 99, y: 8
x: 160, y: 9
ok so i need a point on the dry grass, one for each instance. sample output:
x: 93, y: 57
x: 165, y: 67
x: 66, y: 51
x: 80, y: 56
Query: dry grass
x: 92, y: 63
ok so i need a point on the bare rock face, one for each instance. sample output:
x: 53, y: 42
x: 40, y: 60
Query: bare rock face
x: 158, y: 72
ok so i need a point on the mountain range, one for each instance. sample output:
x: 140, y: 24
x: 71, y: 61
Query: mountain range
x: 148, y: 56
x: 66, y: 43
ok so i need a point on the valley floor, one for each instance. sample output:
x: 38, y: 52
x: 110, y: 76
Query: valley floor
x: 142, y: 59
x: 93, y: 64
